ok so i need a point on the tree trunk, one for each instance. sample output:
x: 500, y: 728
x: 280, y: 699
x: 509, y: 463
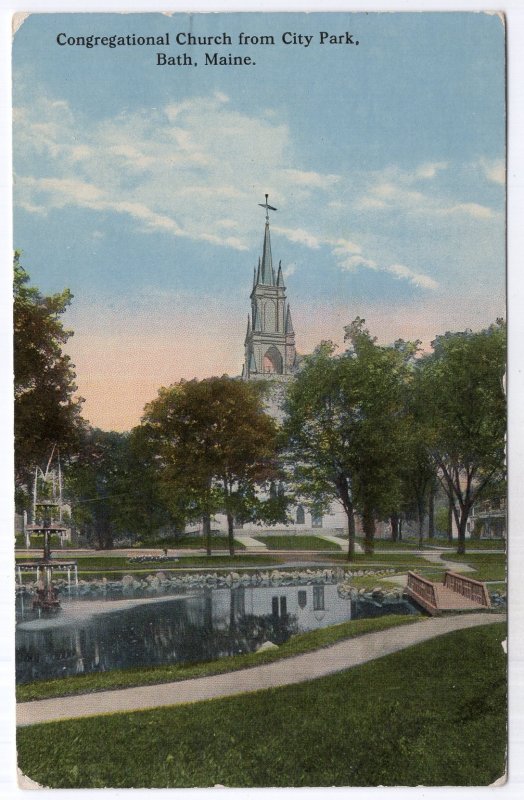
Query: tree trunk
x: 450, y: 520
x: 230, y: 534
x: 395, y: 525
x: 461, y: 548
x: 400, y: 529
x: 431, y: 512
x: 206, y: 529
x: 351, y: 532
x: 420, y: 515
x: 368, y: 523
x: 345, y: 497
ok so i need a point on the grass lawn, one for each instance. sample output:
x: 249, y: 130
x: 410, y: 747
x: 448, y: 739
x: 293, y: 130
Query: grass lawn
x: 141, y: 676
x: 298, y: 543
x: 488, y: 566
x: 197, y: 542
x: 382, y: 559
x: 433, y: 715
x: 387, y: 544
x: 114, y: 567
x: 485, y: 544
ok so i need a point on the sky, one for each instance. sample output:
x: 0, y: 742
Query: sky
x: 137, y: 185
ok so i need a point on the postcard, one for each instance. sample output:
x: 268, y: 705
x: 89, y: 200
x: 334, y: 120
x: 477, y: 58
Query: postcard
x: 260, y: 410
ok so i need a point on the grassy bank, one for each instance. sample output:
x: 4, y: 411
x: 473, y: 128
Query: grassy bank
x: 381, y: 558
x: 141, y: 676
x: 487, y: 566
x: 115, y: 567
x: 434, y: 714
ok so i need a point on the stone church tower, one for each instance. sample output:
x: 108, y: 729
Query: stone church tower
x: 270, y: 338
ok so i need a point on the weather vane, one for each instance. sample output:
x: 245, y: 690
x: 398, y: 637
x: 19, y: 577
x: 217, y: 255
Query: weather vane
x: 267, y: 207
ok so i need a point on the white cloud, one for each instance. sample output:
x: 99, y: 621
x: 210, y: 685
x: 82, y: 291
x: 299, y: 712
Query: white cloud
x: 170, y: 169
x: 416, y: 278
x: 495, y: 170
x: 299, y: 236
x: 353, y: 262
x: 430, y: 169
x: 399, y: 271
x: 470, y: 209
x: 392, y: 190
x: 313, y: 180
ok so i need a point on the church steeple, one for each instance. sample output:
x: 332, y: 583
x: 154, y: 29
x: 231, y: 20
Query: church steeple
x: 270, y: 339
x: 267, y: 274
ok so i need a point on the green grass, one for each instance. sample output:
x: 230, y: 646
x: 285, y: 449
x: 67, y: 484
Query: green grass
x: 114, y: 567
x: 497, y: 587
x: 298, y: 543
x: 387, y: 544
x: 433, y: 715
x: 485, y: 544
x: 198, y: 542
x: 142, y: 676
x: 385, y: 559
x: 487, y: 566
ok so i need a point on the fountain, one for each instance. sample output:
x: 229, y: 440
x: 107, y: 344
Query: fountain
x: 47, y: 521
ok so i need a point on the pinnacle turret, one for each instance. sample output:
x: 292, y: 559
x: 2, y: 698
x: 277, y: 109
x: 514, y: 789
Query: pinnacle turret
x: 289, y: 323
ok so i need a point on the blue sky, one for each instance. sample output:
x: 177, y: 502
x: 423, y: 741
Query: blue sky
x: 137, y: 186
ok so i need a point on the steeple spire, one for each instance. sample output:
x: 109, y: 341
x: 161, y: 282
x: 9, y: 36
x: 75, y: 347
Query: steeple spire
x: 267, y: 273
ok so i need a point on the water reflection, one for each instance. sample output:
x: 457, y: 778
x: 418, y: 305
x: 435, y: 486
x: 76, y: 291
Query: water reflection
x: 90, y: 636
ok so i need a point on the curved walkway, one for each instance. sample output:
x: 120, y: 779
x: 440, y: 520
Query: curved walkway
x: 337, y: 657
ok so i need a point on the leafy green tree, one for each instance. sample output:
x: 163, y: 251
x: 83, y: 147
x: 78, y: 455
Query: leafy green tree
x: 344, y: 428
x: 46, y: 411
x: 215, y: 445
x: 461, y: 383
x: 416, y: 470
x: 92, y: 484
x: 114, y: 488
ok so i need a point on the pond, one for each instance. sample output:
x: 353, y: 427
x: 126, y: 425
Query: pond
x: 104, y: 634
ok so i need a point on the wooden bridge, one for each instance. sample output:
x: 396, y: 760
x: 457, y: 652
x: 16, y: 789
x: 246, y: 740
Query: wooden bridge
x: 456, y: 593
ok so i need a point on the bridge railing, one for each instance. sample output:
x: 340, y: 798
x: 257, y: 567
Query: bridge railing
x: 468, y: 587
x: 422, y: 588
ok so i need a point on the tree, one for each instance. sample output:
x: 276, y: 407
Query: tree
x: 215, y: 446
x: 92, y: 484
x: 417, y: 471
x: 461, y: 383
x: 344, y: 428
x: 45, y: 410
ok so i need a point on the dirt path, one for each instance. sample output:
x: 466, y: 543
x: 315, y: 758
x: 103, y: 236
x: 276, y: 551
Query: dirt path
x: 338, y: 657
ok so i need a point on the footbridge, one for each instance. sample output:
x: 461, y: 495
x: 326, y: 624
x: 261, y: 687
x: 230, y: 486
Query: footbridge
x: 455, y: 593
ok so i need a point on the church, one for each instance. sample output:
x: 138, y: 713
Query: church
x: 270, y: 354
